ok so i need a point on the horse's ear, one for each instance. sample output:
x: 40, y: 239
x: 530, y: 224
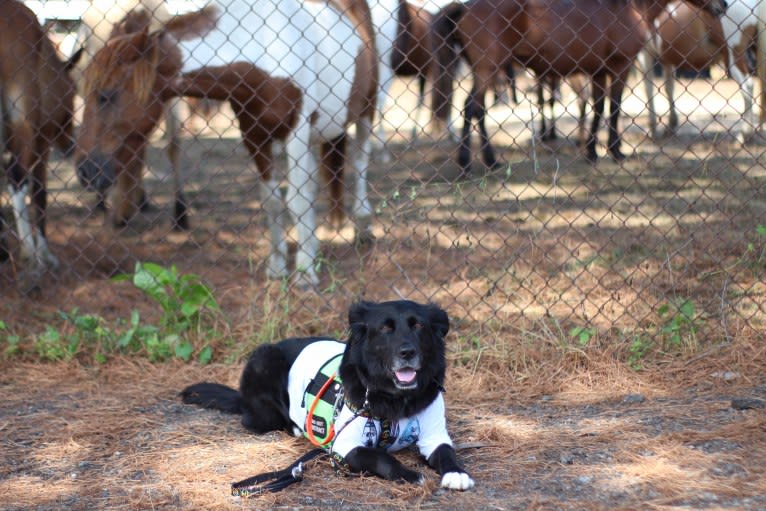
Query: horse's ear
x: 136, y: 46
x: 194, y: 24
x: 74, y: 59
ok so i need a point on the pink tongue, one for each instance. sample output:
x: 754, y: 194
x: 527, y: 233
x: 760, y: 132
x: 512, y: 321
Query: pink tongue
x: 406, y: 375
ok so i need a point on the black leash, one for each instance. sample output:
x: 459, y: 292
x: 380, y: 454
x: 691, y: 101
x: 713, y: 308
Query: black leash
x: 280, y: 479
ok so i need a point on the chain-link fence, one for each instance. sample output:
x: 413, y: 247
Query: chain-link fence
x: 555, y: 232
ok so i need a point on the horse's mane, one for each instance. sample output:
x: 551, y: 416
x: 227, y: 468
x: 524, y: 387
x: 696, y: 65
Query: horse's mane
x: 107, y: 68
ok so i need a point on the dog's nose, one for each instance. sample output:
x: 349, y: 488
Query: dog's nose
x: 407, y: 351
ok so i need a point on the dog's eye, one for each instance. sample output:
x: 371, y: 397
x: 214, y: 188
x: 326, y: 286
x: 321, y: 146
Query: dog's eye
x: 387, y: 327
x: 415, y: 324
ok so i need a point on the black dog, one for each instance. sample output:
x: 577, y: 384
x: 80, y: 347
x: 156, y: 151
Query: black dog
x: 392, y: 371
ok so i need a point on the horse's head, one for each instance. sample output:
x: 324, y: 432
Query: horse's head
x: 714, y: 7
x: 125, y: 86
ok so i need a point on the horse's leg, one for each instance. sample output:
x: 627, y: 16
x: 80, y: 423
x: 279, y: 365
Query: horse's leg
x: 173, y: 125
x: 273, y: 206
x: 598, y: 82
x: 39, y: 199
x: 419, y: 107
x: 301, y: 195
x: 360, y: 159
x: 464, y: 151
x: 669, y: 73
x: 645, y: 61
x: 580, y: 84
x: 744, y: 125
x: 541, y: 106
x: 21, y: 145
x: 385, y: 80
x: 615, y: 104
x: 555, y: 85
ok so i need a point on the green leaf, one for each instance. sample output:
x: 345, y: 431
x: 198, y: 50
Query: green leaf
x: 206, y: 355
x: 687, y: 309
x: 761, y: 229
x: 184, y: 350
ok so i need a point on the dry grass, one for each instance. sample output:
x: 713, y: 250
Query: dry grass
x: 518, y: 257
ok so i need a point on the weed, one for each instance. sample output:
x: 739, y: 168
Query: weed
x: 680, y: 323
x: 639, y: 348
x: 183, y: 298
x: 582, y: 334
x: 11, y: 341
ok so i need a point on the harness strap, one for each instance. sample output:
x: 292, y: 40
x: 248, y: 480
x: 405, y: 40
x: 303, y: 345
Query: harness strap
x: 281, y: 478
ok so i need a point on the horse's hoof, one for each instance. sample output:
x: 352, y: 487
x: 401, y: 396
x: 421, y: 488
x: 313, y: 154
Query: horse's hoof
x: 28, y: 282
x: 617, y: 155
x: 591, y: 156
x: 364, y: 238
x: 305, y: 281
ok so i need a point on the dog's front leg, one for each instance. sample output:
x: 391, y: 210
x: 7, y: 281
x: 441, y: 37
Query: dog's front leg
x: 444, y: 461
x: 381, y: 464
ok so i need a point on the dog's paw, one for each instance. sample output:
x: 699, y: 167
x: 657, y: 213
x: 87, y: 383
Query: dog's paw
x: 457, y: 481
x: 410, y: 476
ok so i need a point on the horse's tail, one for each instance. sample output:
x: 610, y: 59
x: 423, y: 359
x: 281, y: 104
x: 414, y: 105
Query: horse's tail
x: 213, y: 395
x: 333, y: 161
x: 446, y: 46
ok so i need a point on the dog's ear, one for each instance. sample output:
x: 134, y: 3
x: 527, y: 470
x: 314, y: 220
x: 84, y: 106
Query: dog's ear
x: 357, y: 319
x: 438, y: 319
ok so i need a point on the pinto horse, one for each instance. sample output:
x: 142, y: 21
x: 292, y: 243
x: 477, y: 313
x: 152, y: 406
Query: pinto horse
x: 36, y: 106
x: 299, y: 74
x: 599, y: 38
x: 101, y: 21
x: 689, y: 38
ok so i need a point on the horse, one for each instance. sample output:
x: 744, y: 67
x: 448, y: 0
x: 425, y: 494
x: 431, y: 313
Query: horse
x: 411, y: 54
x: 300, y: 74
x: 691, y: 39
x: 599, y: 38
x: 99, y: 23
x: 36, y: 108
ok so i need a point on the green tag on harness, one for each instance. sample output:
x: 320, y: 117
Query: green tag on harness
x: 321, y: 404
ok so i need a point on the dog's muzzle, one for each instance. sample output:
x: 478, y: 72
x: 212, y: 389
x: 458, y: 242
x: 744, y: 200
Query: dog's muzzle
x: 406, y: 366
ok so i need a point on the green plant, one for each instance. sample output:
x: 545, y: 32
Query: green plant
x: 11, y: 341
x: 637, y: 351
x: 183, y: 298
x: 51, y: 345
x: 680, y: 323
x: 582, y: 334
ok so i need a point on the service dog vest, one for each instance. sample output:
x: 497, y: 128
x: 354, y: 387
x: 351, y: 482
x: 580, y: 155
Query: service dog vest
x: 426, y: 429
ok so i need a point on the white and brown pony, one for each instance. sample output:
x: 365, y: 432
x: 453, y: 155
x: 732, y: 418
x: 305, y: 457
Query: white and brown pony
x: 36, y: 107
x: 100, y: 22
x: 294, y: 72
x: 689, y: 38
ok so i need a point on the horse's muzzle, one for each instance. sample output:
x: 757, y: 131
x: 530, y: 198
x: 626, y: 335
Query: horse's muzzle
x: 96, y: 172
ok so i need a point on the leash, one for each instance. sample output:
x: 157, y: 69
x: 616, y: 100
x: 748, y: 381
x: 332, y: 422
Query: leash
x: 280, y: 479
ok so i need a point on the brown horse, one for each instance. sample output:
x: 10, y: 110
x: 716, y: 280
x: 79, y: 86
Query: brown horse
x: 36, y: 105
x: 599, y: 38
x: 299, y: 74
x: 691, y: 39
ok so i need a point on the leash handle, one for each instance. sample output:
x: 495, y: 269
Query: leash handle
x: 310, y: 414
x: 281, y: 478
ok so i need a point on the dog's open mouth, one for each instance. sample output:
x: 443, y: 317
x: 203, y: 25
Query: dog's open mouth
x: 406, y: 378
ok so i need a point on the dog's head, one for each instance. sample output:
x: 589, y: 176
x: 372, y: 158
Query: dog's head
x: 397, y: 347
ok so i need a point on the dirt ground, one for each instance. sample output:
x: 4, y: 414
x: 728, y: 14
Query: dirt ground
x: 632, y: 418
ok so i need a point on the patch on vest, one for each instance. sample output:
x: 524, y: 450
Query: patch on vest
x: 319, y: 426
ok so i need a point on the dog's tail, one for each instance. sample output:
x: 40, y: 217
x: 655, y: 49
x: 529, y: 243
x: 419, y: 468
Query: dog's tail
x: 213, y: 395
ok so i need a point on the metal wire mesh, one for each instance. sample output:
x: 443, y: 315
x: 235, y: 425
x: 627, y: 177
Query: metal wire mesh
x: 671, y: 239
